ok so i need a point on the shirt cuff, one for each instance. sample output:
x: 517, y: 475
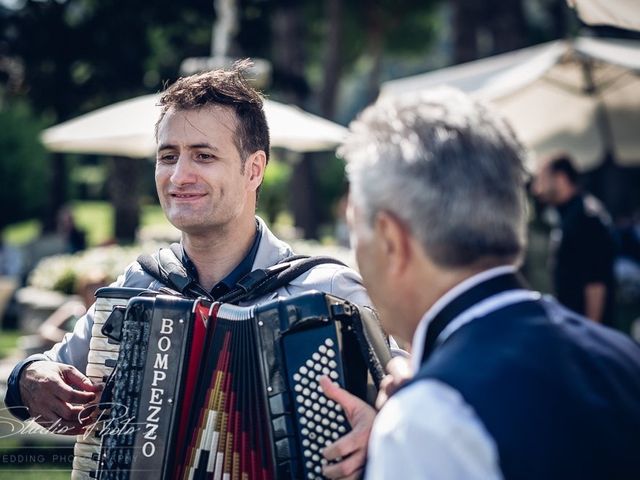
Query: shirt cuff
x: 12, y: 399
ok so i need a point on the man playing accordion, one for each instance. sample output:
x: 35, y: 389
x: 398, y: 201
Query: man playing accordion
x: 212, y: 151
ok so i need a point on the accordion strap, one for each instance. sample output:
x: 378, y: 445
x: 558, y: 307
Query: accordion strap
x: 167, y: 267
x: 266, y: 280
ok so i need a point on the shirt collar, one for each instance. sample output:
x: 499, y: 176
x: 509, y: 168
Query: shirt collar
x: 417, y: 346
x: 244, y: 267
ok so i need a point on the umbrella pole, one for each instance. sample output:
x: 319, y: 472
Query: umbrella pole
x: 602, y: 117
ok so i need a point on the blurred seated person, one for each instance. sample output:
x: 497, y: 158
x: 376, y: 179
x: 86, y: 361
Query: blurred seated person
x: 582, y: 247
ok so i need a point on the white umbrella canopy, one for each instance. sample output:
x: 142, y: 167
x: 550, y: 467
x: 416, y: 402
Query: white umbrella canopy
x: 618, y: 13
x: 580, y: 96
x: 127, y: 129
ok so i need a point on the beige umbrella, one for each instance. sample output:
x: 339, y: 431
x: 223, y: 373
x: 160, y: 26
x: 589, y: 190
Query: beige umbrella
x: 581, y: 96
x: 618, y: 13
x: 127, y: 129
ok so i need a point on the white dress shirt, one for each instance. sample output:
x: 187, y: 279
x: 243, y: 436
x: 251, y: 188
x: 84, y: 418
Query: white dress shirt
x: 427, y: 430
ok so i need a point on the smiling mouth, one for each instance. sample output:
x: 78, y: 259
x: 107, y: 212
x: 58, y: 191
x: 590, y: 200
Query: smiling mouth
x: 186, y: 196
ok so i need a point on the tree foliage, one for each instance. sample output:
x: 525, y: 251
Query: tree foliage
x: 67, y: 57
x: 23, y: 169
x: 78, y: 55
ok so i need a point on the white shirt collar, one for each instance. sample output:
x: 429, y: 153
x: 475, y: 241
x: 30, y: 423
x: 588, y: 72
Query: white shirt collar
x: 417, y: 346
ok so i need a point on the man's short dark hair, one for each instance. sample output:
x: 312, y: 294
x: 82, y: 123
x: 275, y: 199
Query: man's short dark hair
x: 227, y: 88
x: 563, y: 164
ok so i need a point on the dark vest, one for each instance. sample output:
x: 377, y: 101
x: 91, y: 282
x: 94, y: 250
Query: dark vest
x: 560, y: 395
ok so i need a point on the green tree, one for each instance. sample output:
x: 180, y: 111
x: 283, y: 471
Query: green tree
x: 23, y: 169
x: 78, y: 55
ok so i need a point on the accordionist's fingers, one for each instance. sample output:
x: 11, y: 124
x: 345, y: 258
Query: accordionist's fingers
x: 352, y: 405
x: 348, y: 468
x: 350, y: 451
x: 58, y: 418
x: 74, y: 378
x: 399, y: 373
x: 65, y: 411
x: 43, y: 390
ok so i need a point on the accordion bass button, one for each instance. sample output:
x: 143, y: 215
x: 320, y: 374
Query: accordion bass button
x: 280, y: 404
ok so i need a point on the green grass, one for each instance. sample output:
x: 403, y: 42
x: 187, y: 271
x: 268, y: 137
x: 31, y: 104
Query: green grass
x: 22, y: 232
x: 38, y: 472
x: 44, y: 460
x: 8, y: 340
x: 96, y: 218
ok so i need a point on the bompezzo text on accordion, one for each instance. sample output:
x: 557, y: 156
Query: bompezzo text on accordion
x: 210, y: 390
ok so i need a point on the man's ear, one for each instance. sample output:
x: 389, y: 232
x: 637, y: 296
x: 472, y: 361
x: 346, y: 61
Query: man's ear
x: 394, y: 240
x: 256, y: 165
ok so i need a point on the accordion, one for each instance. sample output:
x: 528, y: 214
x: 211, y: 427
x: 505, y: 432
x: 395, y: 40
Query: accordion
x: 208, y: 390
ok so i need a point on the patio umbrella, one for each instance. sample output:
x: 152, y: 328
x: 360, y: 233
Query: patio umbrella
x: 580, y: 96
x: 127, y: 129
x: 618, y: 13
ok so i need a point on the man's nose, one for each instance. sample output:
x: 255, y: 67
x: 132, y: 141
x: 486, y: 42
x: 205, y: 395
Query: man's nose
x: 183, y: 172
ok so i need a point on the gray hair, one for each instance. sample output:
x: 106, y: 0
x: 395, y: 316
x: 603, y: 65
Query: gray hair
x: 446, y: 166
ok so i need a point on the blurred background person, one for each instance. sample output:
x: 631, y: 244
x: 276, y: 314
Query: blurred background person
x: 75, y: 237
x: 582, y: 248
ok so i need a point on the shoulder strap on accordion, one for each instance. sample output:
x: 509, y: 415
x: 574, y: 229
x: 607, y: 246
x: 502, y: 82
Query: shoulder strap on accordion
x: 167, y: 267
x: 266, y: 280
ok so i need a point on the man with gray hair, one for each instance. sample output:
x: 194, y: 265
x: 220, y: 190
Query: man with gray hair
x: 505, y: 383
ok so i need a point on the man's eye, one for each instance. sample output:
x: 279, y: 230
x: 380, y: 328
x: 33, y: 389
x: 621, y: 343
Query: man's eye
x: 204, y: 156
x: 167, y: 158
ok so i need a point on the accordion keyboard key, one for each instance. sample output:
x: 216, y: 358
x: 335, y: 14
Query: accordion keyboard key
x: 321, y: 419
x: 101, y: 344
x: 101, y: 359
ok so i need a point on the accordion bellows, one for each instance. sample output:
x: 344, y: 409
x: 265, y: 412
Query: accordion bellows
x: 202, y: 390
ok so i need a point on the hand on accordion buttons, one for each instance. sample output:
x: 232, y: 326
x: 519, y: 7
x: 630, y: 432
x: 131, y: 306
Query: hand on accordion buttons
x: 56, y: 396
x: 399, y: 369
x: 350, y: 451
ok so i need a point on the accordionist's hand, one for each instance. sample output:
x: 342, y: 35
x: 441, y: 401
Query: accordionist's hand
x: 56, y: 396
x: 350, y: 451
x: 399, y: 372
